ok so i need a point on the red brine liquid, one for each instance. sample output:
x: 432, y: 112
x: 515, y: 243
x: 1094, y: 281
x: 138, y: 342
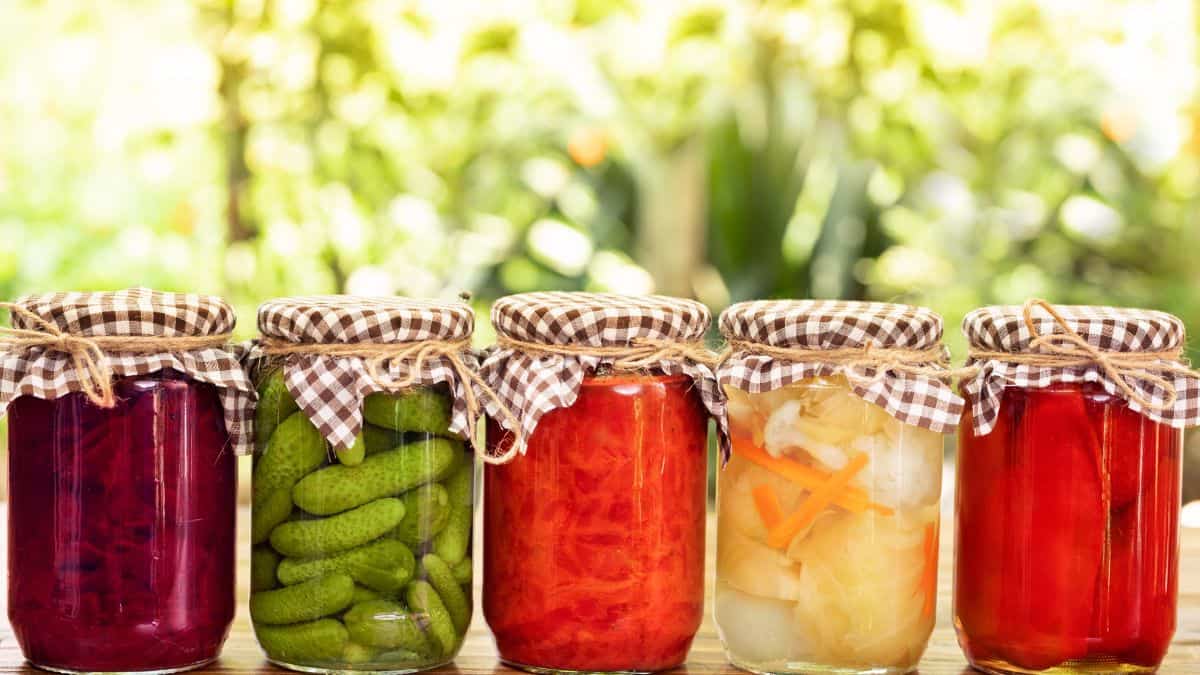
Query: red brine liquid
x: 1068, y: 545
x: 594, y: 539
x: 121, y: 527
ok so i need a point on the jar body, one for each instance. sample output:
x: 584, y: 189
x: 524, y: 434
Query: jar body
x: 817, y: 579
x: 1067, y: 542
x: 122, y: 527
x: 362, y: 557
x: 594, y: 538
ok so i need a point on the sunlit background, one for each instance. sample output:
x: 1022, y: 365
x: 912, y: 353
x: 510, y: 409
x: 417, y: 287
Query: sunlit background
x: 948, y: 153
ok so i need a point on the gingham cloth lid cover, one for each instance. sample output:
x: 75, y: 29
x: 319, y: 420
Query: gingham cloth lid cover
x: 1001, y: 328
x: 48, y: 374
x: 922, y: 400
x: 534, y: 384
x: 330, y: 389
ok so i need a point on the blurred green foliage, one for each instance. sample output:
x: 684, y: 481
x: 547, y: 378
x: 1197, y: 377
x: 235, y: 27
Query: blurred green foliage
x: 946, y: 153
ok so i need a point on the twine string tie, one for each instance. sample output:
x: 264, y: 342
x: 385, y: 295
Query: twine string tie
x: 1066, y: 348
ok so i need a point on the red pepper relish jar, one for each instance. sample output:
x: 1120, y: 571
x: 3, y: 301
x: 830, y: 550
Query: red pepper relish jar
x: 1069, y: 488
x: 595, y: 487
x: 125, y: 412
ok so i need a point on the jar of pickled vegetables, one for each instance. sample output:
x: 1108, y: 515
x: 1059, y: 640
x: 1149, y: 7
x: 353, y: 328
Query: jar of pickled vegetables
x: 124, y: 413
x: 828, y: 507
x: 1068, y: 491
x: 362, y: 485
x: 594, y: 494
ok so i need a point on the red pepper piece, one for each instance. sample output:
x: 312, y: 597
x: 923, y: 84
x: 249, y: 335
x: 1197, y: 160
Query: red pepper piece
x: 1122, y: 433
x: 979, y: 579
x: 1136, y: 590
x: 1056, y: 532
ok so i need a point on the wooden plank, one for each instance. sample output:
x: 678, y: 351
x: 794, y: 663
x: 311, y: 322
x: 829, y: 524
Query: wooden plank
x: 478, y: 656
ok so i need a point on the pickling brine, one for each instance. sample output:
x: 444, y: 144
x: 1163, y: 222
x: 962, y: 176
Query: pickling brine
x: 827, y: 533
x: 361, y: 558
x: 594, y: 538
x: 121, y: 527
x: 1067, y: 556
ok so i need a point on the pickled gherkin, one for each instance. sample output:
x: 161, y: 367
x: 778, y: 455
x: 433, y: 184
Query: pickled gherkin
x: 307, y: 538
x: 453, y: 540
x: 293, y: 451
x: 361, y: 558
x: 313, y: 642
x: 426, y: 511
x: 390, y: 625
x: 383, y: 554
x: 377, y: 439
x: 337, y: 488
x: 416, y: 410
x: 275, y: 404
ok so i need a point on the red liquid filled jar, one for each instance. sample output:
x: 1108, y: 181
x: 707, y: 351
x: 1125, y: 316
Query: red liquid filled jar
x: 1068, y: 550
x: 121, y: 527
x: 594, y: 538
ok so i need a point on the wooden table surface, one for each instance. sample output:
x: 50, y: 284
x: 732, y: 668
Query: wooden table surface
x: 478, y: 655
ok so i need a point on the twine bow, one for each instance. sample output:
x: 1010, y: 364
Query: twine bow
x: 855, y: 361
x: 88, y: 353
x: 378, y: 356
x: 1068, y: 349
x: 639, y: 354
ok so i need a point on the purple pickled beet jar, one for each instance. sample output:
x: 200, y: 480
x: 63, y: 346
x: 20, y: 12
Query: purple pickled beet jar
x: 121, y: 527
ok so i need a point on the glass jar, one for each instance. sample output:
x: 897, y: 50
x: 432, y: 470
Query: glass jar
x: 1067, y: 552
x: 594, y: 538
x: 122, y: 527
x: 361, y: 558
x: 827, y: 531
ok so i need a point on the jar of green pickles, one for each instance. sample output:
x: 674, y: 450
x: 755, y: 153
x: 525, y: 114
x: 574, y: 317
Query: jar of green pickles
x: 363, y: 485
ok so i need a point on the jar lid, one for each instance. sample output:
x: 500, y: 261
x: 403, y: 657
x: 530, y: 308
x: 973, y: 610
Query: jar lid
x: 548, y: 342
x: 598, y: 319
x: 1134, y: 354
x: 890, y: 354
x: 1002, y: 328
x: 330, y: 319
x: 390, y: 343
x: 129, y: 312
x: 77, y: 342
x: 831, y: 324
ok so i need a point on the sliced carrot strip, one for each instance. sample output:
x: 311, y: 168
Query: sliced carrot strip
x: 820, y: 499
x: 767, y: 503
x: 851, y: 499
x: 929, y: 571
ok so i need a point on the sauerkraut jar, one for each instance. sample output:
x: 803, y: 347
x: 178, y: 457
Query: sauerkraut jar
x: 1068, y: 490
x: 125, y: 411
x: 594, y: 495
x: 363, y: 485
x: 828, y: 507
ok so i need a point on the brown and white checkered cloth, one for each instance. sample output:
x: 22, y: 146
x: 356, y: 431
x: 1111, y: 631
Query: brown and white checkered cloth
x: 330, y: 389
x: 923, y: 400
x: 534, y: 384
x: 48, y: 374
x: 1110, y: 329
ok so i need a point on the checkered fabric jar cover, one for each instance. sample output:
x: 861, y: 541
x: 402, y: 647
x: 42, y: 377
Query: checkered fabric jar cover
x: 533, y: 384
x: 330, y: 388
x: 136, y: 312
x: 1109, y: 329
x: 813, y: 326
